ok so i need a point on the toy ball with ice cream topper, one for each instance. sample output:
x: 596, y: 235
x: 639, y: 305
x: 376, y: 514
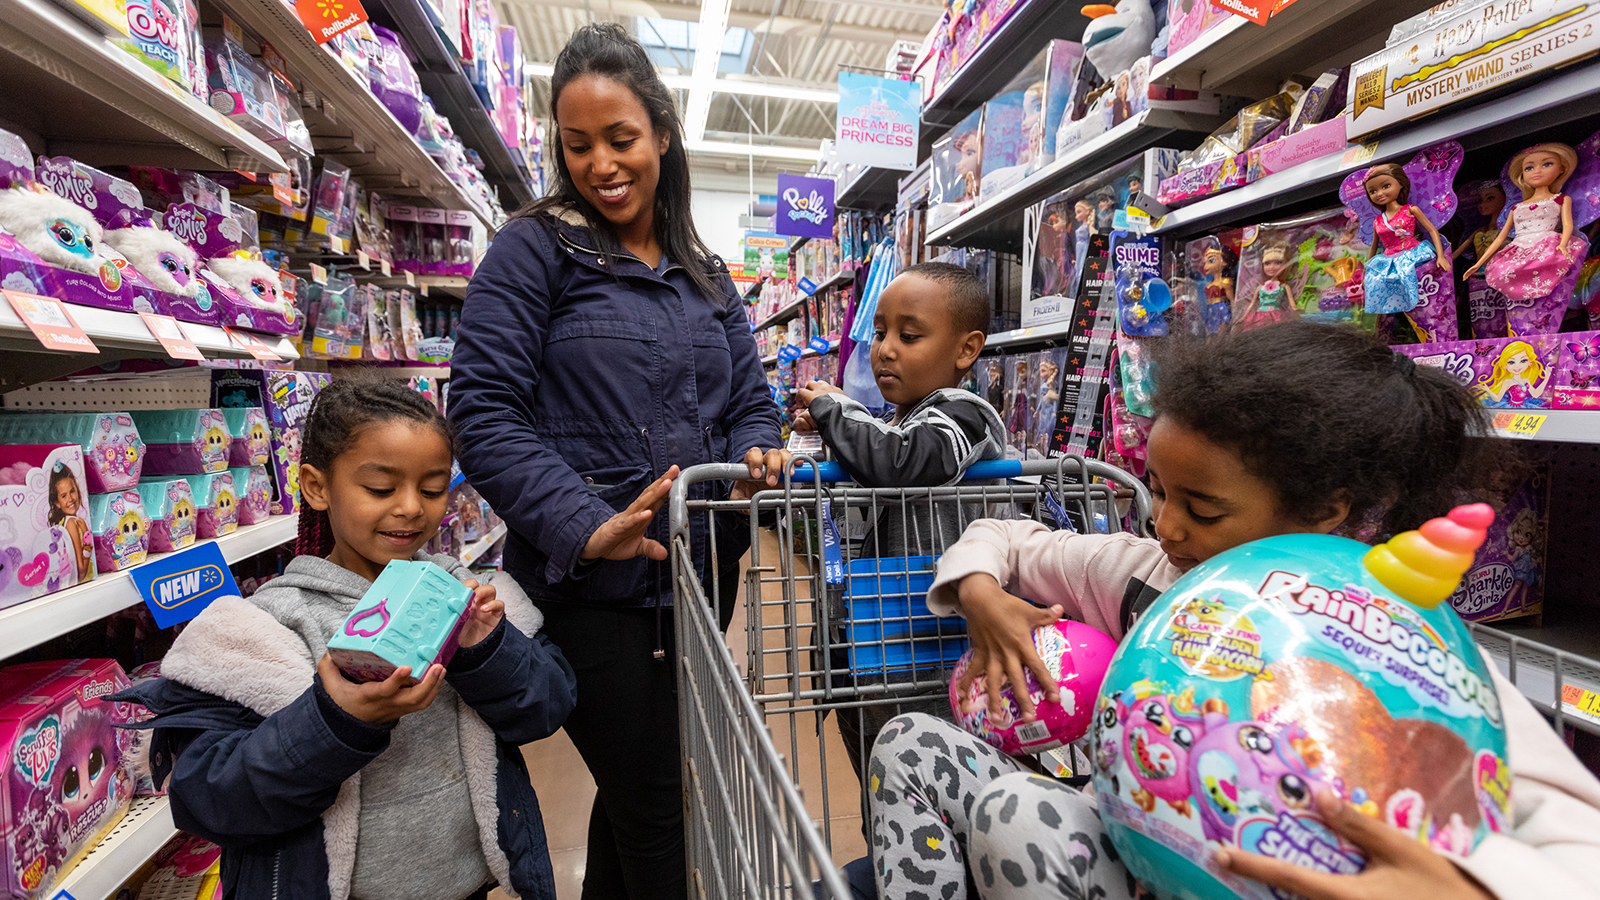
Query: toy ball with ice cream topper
x: 1289, y: 665
x: 1076, y: 655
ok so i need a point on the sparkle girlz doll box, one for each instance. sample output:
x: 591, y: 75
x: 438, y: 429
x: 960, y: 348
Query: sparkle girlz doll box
x: 65, y: 784
x: 45, y: 541
x: 113, y: 452
x: 184, y: 441
x: 121, y: 530
x: 1506, y: 580
x: 1507, y: 373
x: 1578, y: 375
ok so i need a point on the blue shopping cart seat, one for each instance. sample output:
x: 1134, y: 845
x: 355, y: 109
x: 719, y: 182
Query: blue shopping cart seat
x: 886, y: 602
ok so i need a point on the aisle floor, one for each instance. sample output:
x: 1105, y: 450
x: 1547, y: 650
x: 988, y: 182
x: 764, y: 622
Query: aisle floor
x: 566, y: 791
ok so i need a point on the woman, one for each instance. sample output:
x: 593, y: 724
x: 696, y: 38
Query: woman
x: 601, y: 348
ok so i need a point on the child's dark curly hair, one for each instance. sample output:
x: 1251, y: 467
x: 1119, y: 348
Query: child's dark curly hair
x: 340, y: 412
x: 1324, y: 412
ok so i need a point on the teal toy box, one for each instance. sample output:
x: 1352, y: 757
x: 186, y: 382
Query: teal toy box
x: 410, y: 616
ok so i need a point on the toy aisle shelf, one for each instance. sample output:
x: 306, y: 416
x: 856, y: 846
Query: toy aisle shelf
x: 869, y: 188
x: 454, y: 285
x: 798, y: 243
x: 346, y: 120
x: 832, y: 346
x: 1567, y: 96
x: 1030, y: 27
x: 782, y: 314
x: 1244, y: 59
x: 140, y: 835
x: 769, y: 360
x: 840, y: 279
x: 93, y: 101
x: 455, y: 98
x: 996, y: 222
x: 1576, y: 426
x: 33, y: 622
x: 476, y: 550
x: 1547, y: 665
x: 1034, y: 334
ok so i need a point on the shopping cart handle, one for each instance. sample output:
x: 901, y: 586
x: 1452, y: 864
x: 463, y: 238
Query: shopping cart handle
x: 980, y: 471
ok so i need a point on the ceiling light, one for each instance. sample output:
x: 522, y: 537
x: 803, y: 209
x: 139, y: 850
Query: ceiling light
x: 707, y: 56
x: 764, y: 151
x: 541, y: 70
x: 679, y: 82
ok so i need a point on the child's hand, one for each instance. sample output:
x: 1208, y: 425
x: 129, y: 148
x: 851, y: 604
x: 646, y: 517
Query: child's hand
x: 804, y: 422
x: 766, y: 470
x: 380, y: 701
x: 622, y: 535
x: 1000, y: 628
x: 1399, y: 867
x: 815, y: 389
x: 483, y: 615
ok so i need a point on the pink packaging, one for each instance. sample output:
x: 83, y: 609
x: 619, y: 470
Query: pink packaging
x: 65, y: 783
x: 169, y: 502
x: 286, y: 397
x: 44, y: 520
x: 217, y: 502
x: 254, y: 492
x: 251, y: 444
x: 137, y: 753
x: 457, y: 244
x: 431, y: 239
x: 183, y: 441
x: 1507, y: 576
x: 1300, y: 147
x: 1505, y: 373
x: 121, y: 530
x: 113, y: 452
x: 1190, y: 19
x: 1214, y: 177
x: 1578, y: 371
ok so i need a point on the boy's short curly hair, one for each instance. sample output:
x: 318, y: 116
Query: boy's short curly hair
x: 969, y: 302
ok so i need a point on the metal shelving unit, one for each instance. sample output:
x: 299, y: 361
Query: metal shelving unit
x: 1539, y: 662
x: 140, y: 835
x: 1033, y: 334
x: 782, y: 314
x: 869, y: 188
x: 998, y: 60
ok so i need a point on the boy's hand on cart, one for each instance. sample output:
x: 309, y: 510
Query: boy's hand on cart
x: 623, y: 535
x: 1000, y: 627
x: 1399, y: 867
x: 380, y: 701
x: 804, y: 422
x: 766, y: 470
x: 483, y: 614
x: 815, y: 389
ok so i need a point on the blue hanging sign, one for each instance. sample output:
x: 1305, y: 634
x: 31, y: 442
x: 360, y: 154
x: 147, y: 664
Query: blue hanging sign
x: 807, y: 286
x: 178, y: 587
x: 805, y: 206
x: 790, y: 352
x: 877, y: 121
x: 820, y: 345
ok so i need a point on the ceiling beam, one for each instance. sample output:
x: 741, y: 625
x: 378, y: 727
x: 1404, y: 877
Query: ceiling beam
x: 756, y: 23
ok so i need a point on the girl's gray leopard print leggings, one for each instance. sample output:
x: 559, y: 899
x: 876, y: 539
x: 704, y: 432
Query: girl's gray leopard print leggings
x: 941, y: 797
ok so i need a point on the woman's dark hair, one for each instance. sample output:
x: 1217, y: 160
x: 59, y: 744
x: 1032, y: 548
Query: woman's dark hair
x: 1323, y: 412
x: 61, y: 473
x: 339, y: 413
x: 606, y: 49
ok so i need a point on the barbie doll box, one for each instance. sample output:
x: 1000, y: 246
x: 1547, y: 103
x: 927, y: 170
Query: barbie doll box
x: 1505, y: 373
x: 1507, y: 576
x: 65, y: 783
x: 1578, y: 374
x: 45, y: 541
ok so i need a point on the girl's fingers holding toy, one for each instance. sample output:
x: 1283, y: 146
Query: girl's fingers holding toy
x: 1287, y: 877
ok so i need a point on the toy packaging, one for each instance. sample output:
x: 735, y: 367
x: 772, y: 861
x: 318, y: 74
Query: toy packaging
x: 957, y: 170
x: 1063, y: 59
x: 121, y: 530
x: 1507, y: 373
x: 254, y: 491
x: 1311, y: 266
x: 216, y: 502
x: 341, y: 315
x: 113, y: 453
x: 1007, y: 119
x: 286, y: 399
x: 136, y: 755
x: 165, y: 34
x: 1506, y: 580
x: 1578, y: 378
x: 1189, y: 19
x: 1076, y: 655
x: 169, y: 504
x: 65, y: 782
x: 45, y: 541
x: 183, y: 441
x: 249, y: 442
x: 241, y: 88
x: 431, y: 606
x: 187, y: 868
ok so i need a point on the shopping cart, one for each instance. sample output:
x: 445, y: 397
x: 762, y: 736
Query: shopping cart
x: 838, y: 639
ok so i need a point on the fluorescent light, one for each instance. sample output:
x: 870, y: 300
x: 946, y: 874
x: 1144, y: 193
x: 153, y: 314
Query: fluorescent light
x: 707, y: 55
x: 542, y: 70
x: 679, y: 82
x: 765, y: 151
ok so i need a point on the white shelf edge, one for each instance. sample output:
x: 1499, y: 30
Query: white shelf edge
x: 478, y: 548
x: 1032, y: 333
x: 140, y: 835
x: 781, y: 314
x: 32, y: 622
x: 110, y: 329
x: 769, y: 360
x: 1164, y: 71
x: 1574, y: 426
x: 841, y: 277
x: 1535, y: 676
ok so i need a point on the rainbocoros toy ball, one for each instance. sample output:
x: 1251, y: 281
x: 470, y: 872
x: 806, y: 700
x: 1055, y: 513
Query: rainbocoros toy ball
x: 1076, y: 655
x: 1288, y: 665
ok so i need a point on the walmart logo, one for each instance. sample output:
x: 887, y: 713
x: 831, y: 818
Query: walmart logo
x: 181, y: 587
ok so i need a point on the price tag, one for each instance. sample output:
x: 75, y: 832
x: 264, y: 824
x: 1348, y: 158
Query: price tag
x: 1519, y: 424
x: 383, y: 266
x: 251, y: 344
x: 172, y: 338
x: 1581, y: 702
x: 363, y: 260
x: 790, y: 352
x: 807, y: 287
x: 1356, y: 154
x: 319, y: 275
x: 411, y: 279
x: 424, y: 289
x: 819, y: 345
x: 50, y: 322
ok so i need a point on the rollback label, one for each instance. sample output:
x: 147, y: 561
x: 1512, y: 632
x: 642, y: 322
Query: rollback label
x: 1387, y: 637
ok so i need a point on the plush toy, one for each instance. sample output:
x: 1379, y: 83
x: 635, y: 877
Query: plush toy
x: 169, y: 263
x: 1118, y: 36
x: 57, y: 230
x: 255, y: 281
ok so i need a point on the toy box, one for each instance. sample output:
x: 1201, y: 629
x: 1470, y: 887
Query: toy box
x: 254, y: 490
x: 957, y: 170
x: 286, y: 398
x: 216, y: 502
x: 184, y: 441
x: 1204, y: 180
x: 250, y: 443
x: 241, y: 88
x: 136, y: 755
x: 169, y: 504
x: 113, y: 453
x: 45, y: 541
x: 1578, y: 371
x: 1005, y: 126
x: 1301, y: 147
x: 431, y: 606
x: 1506, y: 580
x: 164, y: 34
x: 109, y: 17
x: 65, y: 784
x: 187, y: 868
x: 1317, y: 260
x: 1505, y: 373
x: 1189, y: 19
x: 114, y: 202
x: 1063, y: 60
x: 121, y: 530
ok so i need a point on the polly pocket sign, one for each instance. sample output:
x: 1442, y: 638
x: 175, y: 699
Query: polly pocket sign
x: 1291, y: 665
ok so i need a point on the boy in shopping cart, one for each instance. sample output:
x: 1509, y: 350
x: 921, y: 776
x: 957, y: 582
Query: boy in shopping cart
x: 928, y: 330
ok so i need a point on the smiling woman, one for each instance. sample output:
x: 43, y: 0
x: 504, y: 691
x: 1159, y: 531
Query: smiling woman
x: 603, y: 347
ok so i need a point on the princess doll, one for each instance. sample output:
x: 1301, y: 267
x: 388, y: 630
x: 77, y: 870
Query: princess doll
x: 1390, y: 285
x: 1540, y: 256
x: 1517, y: 379
x: 1219, y: 289
x: 1272, y: 298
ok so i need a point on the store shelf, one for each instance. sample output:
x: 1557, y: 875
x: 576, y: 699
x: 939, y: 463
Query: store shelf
x: 1034, y: 334
x: 478, y: 548
x: 769, y: 360
x: 782, y: 314
x: 1244, y: 59
x: 1540, y: 660
x: 996, y: 223
x: 140, y: 835
x: 832, y: 346
x: 870, y: 188
x: 840, y: 278
x: 1030, y: 27
x: 393, y: 369
x: 93, y: 101
x: 33, y: 622
x: 425, y: 285
x: 1579, y: 426
x: 1554, y: 101
x: 455, y: 98
x: 798, y: 243
x: 347, y: 122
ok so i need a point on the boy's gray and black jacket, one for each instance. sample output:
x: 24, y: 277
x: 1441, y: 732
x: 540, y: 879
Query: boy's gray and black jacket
x: 266, y: 765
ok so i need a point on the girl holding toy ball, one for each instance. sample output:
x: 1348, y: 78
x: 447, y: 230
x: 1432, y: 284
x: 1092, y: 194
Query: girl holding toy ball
x: 318, y: 787
x: 1258, y: 433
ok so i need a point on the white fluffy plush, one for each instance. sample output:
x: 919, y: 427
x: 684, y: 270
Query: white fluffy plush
x: 1115, y: 41
x: 53, y: 227
x: 255, y: 281
x: 144, y: 247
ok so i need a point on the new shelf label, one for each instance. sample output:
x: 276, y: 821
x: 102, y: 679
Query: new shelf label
x: 179, y: 586
x: 50, y: 322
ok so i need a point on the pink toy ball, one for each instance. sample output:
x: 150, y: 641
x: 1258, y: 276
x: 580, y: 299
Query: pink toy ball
x: 1077, y: 657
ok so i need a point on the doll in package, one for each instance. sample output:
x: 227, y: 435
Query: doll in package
x: 1309, y: 267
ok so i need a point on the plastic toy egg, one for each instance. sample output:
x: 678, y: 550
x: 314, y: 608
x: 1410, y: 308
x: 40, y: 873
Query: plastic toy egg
x: 1290, y: 665
x: 1077, y: 656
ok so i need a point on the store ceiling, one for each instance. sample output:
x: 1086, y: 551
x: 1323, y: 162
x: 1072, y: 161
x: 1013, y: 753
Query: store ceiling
x: 790, y: 42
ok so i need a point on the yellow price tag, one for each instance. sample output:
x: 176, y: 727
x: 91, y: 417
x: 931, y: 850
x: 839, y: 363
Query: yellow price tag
x: 1580, y: 701
x: 1519, y: 423
x: 383, y: 264
x: 319, y: 275
x: 363, y: 260
x: 1357, y: 154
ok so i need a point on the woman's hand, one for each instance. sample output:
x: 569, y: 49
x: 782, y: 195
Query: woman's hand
x: 1000, y: 628
x: 1399, y: 867
x: 484, y: 612
x: 380, y: 701
x: 766, y: 470
x: 622, y: 535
